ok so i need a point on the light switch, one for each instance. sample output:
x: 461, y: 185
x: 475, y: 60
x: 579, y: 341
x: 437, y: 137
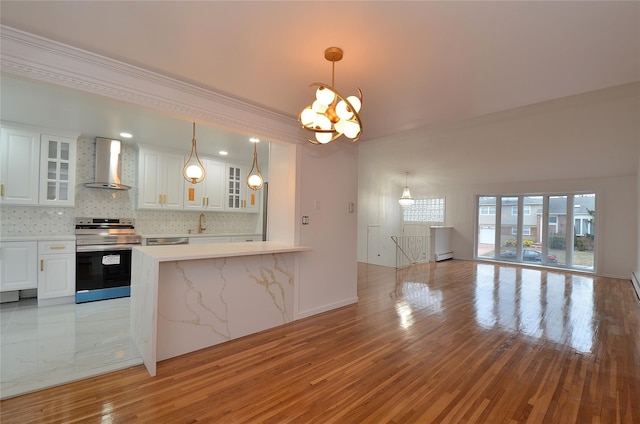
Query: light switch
x: 305, y: 220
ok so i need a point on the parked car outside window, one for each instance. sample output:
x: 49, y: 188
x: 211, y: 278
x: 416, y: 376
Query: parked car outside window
x: 528, y: 255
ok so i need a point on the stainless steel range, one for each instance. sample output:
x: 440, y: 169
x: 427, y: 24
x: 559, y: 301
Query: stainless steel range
x: 103, y: 257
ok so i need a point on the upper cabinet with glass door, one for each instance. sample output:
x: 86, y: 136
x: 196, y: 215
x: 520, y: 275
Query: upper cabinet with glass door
x: 57, y: 170
x: 239, y: 197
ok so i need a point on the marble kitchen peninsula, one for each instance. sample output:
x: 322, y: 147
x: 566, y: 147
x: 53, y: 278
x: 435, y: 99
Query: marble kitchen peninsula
x: 188, y: 297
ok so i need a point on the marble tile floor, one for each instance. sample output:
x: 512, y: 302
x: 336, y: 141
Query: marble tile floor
x: 52, y: 345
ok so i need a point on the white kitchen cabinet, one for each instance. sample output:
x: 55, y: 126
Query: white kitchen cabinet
x: 160, y: 181
x: 57, y: 170
x: 56, y: 272
x: 18, y: 265
x: 239, y: 197
x: 252, y: 200
x: 19, y: 166
x: 235, y: 190
x: 240, y: 239
x: 209, y: 194
x: 37, y: 168
x: 208, y: 240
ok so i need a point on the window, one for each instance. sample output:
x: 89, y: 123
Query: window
x: 526, y: 210
x: 553, y: 224
x: 426, y: 210
x: 487, y: 210
x: 561, y: 234
x: 486, y: 227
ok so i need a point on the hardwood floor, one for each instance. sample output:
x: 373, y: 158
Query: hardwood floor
x: 453, y: 342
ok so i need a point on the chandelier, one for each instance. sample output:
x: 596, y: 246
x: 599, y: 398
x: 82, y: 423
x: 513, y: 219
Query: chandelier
x: 193, y: 171
x: 255, y: 181
x: 406, y: 200
x: 332, y: 114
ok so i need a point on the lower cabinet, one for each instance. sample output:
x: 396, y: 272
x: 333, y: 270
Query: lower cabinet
x: 48, y: 266
x: 56, y: 272
x: 224, y: 239
x: 207, y: 240
x: 18, y: 266
x: 238, y: 239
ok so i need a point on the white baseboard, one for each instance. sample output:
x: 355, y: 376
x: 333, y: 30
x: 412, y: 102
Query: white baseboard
x: 325, y: 308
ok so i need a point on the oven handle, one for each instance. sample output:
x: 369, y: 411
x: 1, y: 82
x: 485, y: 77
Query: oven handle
x: 105, y: 247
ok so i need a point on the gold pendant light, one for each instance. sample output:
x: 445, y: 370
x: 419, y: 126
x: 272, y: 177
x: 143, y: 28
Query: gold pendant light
x: 193, y: 171
x: 255, y: 181
x: 332, y: 114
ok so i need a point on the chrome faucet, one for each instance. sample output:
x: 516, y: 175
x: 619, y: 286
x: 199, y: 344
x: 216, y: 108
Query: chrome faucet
x: 200, y: 222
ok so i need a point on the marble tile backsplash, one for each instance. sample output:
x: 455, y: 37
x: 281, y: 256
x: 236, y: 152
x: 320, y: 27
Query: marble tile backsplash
x: 91, y: 202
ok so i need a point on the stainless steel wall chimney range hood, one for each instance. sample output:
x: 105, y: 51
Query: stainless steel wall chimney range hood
x: 108, y: 165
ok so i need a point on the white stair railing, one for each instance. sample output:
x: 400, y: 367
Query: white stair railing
x: 410, y: 250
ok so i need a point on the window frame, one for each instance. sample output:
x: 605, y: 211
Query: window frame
x: 537, y: 230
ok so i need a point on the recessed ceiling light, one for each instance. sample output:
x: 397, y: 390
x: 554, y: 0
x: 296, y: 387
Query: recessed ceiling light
x: 222, y: 153
x: 125, y: 135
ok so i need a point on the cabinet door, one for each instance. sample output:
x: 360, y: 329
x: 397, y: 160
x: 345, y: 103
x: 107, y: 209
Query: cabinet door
x: 57, y: 276
x: 194, y: 195
x: 173, y: 181
x: 160, y: 182
x: 19, y: 166
x: 214, y: 185
x: 234, y: 198
x: 252, y: 202
x: 149, y: 179
x: 18, y: 266
x: 209, y: 194
x: 57, y: 171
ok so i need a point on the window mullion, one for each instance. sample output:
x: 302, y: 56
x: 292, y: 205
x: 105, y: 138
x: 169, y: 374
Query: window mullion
x: 544, y: 231
x: 498, y: 227
x: 570, y: 231
x: 519, y: 236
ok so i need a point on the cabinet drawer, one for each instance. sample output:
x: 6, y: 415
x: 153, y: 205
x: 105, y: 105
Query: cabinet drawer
x: 56, y: 247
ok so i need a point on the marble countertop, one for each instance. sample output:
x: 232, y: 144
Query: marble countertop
x: 223, y: 250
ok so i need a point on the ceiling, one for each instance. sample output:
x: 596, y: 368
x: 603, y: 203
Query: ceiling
x: 418, y: 63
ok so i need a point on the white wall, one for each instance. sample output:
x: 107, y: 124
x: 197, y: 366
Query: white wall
x: 328, y: 183
x: 581, y: 143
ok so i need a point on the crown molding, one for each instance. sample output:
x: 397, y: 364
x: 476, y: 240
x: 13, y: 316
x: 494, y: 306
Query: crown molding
x: 38, y: 58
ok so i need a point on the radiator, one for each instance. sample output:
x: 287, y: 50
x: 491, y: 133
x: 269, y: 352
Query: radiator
x: 443, y: 256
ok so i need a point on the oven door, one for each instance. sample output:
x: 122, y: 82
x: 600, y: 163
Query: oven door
x: 102, y: 272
